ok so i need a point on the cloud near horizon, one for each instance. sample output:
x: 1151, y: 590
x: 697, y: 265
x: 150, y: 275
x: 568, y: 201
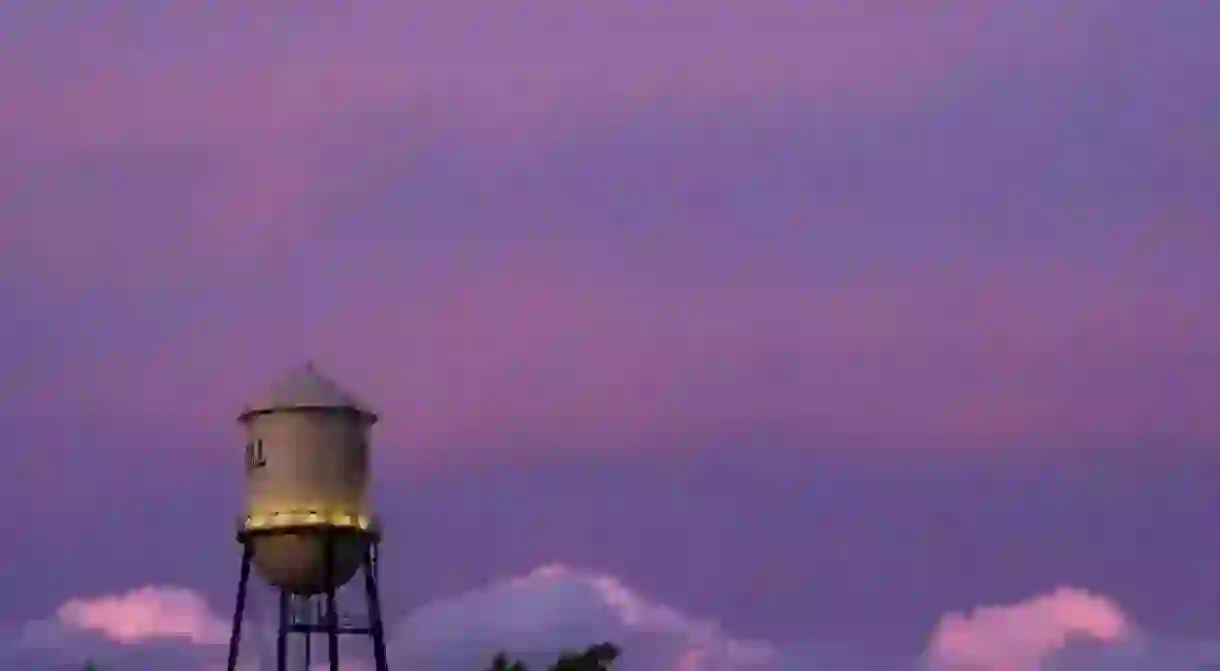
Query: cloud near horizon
x: 146, y: 614
x: 1024, y: 635
x: 556, y: 607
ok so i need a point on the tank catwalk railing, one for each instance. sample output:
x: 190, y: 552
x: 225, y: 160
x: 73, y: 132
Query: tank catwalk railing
x: 308, y: 615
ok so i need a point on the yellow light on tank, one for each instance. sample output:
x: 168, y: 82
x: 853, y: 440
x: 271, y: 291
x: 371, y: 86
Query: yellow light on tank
x: 293, y: 516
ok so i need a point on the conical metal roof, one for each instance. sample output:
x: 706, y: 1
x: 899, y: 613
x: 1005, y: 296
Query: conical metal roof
x: 305, y: 387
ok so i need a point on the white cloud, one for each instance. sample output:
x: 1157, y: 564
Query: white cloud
x: 145, y: 614
x: 556, y: 607
x: 1024, y: 635
x: 534, y: 616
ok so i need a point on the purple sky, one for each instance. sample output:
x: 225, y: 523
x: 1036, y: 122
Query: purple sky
x: 818, y: 319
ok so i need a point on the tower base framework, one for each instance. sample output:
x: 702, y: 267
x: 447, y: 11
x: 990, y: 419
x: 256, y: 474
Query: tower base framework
x: 306, y: 616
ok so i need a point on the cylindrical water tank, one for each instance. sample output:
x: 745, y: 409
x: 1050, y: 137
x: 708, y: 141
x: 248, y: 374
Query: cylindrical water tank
x: 307, y: 468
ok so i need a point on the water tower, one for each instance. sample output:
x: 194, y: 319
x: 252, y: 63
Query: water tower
x: 308, y: 529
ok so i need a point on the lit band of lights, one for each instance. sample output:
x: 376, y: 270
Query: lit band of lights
x: 299, y: 518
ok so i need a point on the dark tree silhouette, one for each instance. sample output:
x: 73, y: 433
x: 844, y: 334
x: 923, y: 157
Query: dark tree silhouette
x: 595, y: 658
x: 500, y: 663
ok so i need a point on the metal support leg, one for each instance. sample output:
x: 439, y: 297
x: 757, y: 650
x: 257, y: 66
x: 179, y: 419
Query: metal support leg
x: 374, y: 604
x: 332, y: 615
x: 309, y: 635
x: 281, y: 639
x: 239, y: 611
x: 375, y: 546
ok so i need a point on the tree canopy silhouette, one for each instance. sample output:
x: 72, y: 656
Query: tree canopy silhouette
x: 500, y: 663
x: 594, y: 658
